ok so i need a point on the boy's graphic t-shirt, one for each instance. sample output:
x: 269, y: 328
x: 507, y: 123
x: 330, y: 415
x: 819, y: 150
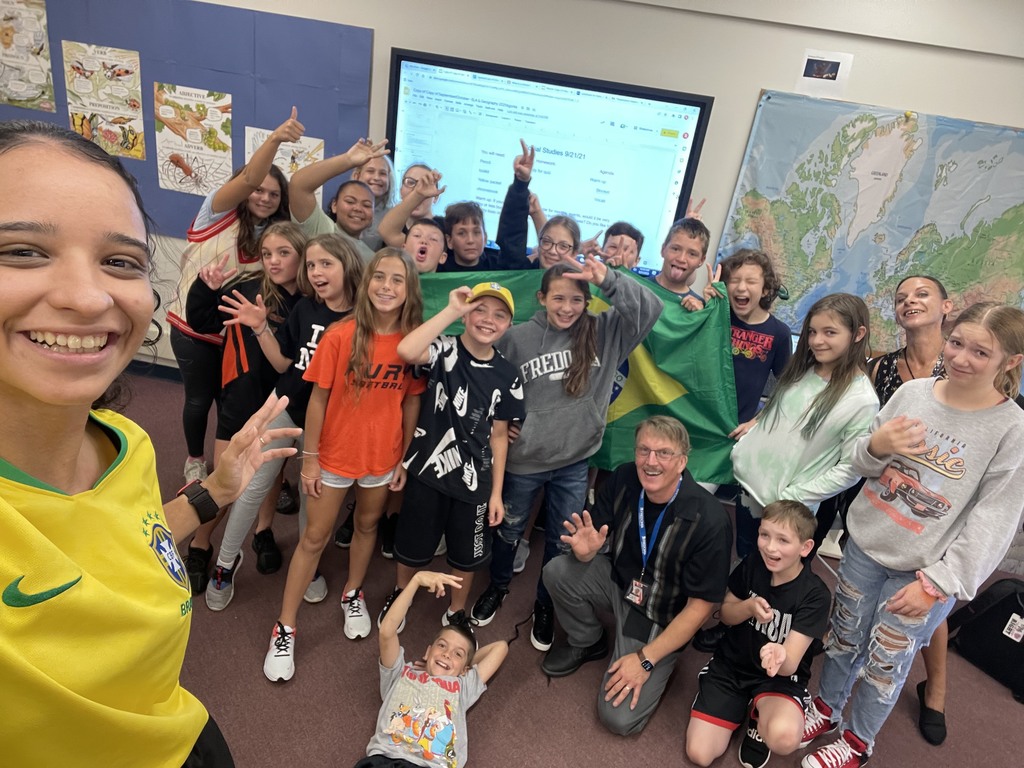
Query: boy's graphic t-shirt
x: 757, y: 351
x: 800, y: 605
x: 450, y: 449
x: 423, y: 719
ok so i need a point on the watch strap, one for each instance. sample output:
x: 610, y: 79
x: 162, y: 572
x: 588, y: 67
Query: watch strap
x: 646, y: 663
x: 201, y: 501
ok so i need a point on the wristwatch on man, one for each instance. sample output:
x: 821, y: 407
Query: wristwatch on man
x: 646, y: 663
x: 201, y: 500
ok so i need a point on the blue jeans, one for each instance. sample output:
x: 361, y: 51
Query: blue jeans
x: 865, y: 639
x: 566, y: 492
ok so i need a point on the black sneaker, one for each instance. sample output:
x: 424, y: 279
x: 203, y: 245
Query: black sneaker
x: 387, y: 607
x: 287, y: 500
x: 343, y: 536
x: 543, y: 633
x: 197, y: 566
x: 387, y: 536
x: 754, y: 753
x: 488, y: 604
x: 458, y: 619
x: 268, y: 554
x: 708, y: 640
x: 566, y: 659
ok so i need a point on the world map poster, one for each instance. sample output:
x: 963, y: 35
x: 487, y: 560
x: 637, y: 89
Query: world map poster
x: 850, y: 198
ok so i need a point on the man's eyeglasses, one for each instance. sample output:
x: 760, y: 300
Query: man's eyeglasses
x: 662, y: 454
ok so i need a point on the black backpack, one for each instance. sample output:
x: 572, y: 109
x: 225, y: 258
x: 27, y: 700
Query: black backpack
x: 989, y: 633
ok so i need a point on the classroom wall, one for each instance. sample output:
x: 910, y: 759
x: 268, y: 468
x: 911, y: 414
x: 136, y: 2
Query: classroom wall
x: 964, y: 60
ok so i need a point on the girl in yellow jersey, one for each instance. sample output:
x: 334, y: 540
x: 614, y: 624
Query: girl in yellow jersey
x: 94, y: 602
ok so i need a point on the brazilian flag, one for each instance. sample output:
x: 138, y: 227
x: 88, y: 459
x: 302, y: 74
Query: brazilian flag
x: 682, y: 369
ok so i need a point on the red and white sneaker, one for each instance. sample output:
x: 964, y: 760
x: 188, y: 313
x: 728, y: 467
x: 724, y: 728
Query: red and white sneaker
x: 848, y: 752
x: 817, y: 721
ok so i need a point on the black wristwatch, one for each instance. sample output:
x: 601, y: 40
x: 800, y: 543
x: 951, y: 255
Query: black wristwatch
x: 201, y: 500
x: 646, y: 663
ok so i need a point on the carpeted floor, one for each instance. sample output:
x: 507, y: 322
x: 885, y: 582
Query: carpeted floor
x: 326, y: 714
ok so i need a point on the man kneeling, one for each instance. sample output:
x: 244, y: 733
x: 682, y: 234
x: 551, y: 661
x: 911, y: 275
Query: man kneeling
x: 665, y: 569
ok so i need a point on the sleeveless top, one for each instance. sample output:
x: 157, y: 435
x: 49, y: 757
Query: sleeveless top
x: 887, y: 376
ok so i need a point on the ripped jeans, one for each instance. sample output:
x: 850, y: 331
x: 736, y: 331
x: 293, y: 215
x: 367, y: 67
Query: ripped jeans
x: 866, y: 641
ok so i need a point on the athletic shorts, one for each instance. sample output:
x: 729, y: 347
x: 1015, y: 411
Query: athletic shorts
x: 427, y: 514
x: 724, y: 697
x: 332, y: 480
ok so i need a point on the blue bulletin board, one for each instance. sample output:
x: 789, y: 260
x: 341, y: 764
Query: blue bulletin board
x: 267, y: 62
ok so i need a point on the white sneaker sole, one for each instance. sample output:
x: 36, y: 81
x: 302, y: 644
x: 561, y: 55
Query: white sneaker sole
x: 279, y: 677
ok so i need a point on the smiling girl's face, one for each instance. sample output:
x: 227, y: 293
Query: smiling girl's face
x: 565, y: 302
x: 75, y: 296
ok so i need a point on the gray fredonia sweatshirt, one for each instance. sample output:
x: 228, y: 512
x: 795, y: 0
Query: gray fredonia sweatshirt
x: 953, y: 510
x: 559, y: 429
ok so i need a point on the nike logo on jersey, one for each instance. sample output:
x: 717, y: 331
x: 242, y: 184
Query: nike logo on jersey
x: 460, y: 400
x: 15, y: 598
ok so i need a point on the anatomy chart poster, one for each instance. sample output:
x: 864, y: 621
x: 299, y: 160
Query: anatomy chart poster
x: 105, y: 97
x: 26, y: 79
x: 193, y: 138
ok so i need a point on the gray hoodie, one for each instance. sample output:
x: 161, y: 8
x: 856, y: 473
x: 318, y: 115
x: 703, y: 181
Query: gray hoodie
x: 559, y: 429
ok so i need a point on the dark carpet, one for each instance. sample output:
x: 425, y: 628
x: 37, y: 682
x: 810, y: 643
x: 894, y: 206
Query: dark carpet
x: 325, y: 715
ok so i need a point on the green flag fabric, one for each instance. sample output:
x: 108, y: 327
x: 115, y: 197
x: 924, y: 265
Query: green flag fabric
x: 682, y: 369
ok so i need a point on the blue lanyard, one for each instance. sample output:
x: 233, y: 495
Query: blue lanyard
x: 655, y: 530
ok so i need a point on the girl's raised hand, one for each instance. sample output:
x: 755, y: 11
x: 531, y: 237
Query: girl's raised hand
x: 365, y: 150
x: 901, y: 434
x: 534, y: 205
x: 592, y: 269
x: 590, y: 247
x: 522, y: 166
x: 290, y: 130
x: 215, y: 275
x: 248, y: 450
x: 243, y: 311
x: 427, y: 185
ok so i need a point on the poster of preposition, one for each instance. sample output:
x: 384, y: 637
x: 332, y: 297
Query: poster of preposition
x: 105, y: 97
x: 290, y: 156
x: 193, y: 138
x: 26, y: 79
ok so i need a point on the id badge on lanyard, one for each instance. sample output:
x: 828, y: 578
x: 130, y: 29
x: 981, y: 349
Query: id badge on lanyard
x: 638, y: 592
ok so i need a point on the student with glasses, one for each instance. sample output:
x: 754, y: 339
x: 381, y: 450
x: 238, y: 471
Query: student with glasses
x: 655, y: 555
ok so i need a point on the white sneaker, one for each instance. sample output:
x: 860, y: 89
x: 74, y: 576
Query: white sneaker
x: 442, y: 548
x: 279, y: 666
x: 357, y: 617
x: 221, y: 588
x: 522, y: 553
x: 316, y: 592
x: 195, y: 469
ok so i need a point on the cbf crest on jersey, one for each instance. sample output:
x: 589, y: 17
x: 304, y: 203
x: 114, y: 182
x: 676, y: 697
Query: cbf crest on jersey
x: 162, y: 543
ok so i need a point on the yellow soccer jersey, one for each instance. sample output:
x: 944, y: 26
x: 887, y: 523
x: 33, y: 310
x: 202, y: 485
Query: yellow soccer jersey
x: 94, y: 618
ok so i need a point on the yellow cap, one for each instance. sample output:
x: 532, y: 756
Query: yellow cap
x: 497, y: 291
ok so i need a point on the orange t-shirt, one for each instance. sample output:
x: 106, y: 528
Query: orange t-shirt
x: 362, y: 436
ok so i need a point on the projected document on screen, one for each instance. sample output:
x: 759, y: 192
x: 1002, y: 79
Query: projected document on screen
x: 601, y: 156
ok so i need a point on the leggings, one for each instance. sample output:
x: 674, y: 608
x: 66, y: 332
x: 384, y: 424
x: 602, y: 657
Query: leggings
x: 199, y: 364
x: 210, y: 750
